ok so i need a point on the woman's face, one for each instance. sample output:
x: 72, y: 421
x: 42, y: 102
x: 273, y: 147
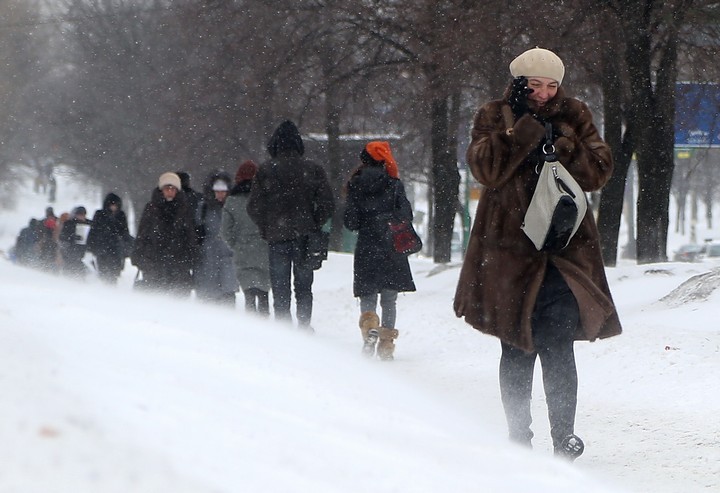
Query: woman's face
x: 220, y: 196
x: 169, y: 192
x: 544, y: 89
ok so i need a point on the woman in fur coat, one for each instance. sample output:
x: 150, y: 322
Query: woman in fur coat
x: 536, y: 302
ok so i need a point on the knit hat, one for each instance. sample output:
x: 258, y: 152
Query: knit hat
x: 380, y: 151
x: 246, y: 171
x: 79, y: 210
x: 169, y: 179
x: 220, y: 186
x: 286, y: 138
x: 538, y: 62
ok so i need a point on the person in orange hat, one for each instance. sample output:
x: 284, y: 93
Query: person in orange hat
x: 373, y: 192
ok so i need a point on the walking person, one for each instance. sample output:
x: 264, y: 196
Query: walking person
x: 193, y: 197
x: 290, y: 200
x: 165, y: 248
x: 27, y: 245
x: 60, y: 223
x: 73, y: 243
x: 110, y: 238
x: 214, y: 275
x: 536, y: 302
x: 374, y: 192
x: 250, y: 250
x: 47, y: 244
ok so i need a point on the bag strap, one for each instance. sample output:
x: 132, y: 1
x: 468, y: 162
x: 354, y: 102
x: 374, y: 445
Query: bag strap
x: 548, y: 147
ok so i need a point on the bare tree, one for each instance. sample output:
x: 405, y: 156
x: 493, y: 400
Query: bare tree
x: 25, y: 63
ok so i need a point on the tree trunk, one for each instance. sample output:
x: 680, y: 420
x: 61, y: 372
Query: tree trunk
x: 657, y: 162
x: 613, y: 194
x: 652, y: 208
x: 336, y: 173
x: 446, y: 179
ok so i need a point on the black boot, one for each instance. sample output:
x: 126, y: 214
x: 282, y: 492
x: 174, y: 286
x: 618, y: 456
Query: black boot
x: 571, y: 448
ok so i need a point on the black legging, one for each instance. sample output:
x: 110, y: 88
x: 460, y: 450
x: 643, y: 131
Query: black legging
x: 256, y: 300
x: 554, y: 321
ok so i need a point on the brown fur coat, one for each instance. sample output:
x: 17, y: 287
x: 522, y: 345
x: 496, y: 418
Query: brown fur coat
x: 502, y: 271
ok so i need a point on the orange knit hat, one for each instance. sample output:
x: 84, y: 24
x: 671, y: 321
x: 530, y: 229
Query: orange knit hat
x: 380, y: 151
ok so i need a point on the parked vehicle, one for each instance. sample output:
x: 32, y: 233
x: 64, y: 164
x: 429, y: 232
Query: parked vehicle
x: 689, y: 253
x: 712, y: 250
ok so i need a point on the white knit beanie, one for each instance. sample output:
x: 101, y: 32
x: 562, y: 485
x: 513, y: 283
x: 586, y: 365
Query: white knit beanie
x: 220, y: 186
x: 169, y: 179
x: 538, y: 62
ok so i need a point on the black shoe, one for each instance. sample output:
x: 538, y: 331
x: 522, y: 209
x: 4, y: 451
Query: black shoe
x: 571, y: 447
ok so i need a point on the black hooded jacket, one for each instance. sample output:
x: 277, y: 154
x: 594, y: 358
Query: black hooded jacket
x: 372, y: 194
x: 109, y: 230
x: 290, y: 196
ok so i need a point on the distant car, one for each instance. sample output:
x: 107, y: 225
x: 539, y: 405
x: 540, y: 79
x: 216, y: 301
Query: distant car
x: 712, y: 250
x: 689, y: 253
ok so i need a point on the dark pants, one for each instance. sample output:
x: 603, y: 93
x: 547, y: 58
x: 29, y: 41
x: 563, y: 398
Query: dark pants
x: 109, y: 267
x: 288, y: 257
x: 257, y: 301
x: 554, y: 321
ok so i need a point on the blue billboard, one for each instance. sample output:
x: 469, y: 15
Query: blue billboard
x: 697, y: 115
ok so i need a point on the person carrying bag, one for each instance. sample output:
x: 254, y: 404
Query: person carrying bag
x: 533, y: 273
x: 375, y: 201
x: 558, y: 205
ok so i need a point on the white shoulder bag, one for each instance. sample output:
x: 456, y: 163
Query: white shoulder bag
x: 558, y: 205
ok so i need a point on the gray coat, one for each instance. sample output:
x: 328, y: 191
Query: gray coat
x: 252, y: 264
x: 214, y: 275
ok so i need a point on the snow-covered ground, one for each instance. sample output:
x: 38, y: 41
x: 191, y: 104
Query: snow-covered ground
x: 107, y: 390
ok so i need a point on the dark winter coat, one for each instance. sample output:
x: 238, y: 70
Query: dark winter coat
x: 72, y: 245
x: 166, y: 246
x: 372, y: 195
x: 251, y: 258
x: 26, y: 246
x: 215, y: 273
x: 502, y: 271
x: 291, y: 196
x: 109, y: 235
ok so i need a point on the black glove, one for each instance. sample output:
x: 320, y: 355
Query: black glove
x: 518, y: 97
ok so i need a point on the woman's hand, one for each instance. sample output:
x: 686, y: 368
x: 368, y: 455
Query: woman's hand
x: 518, y: 99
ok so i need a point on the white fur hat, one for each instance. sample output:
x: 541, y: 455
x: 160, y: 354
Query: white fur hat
x: 538, y: 62
x: 169, y: 179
